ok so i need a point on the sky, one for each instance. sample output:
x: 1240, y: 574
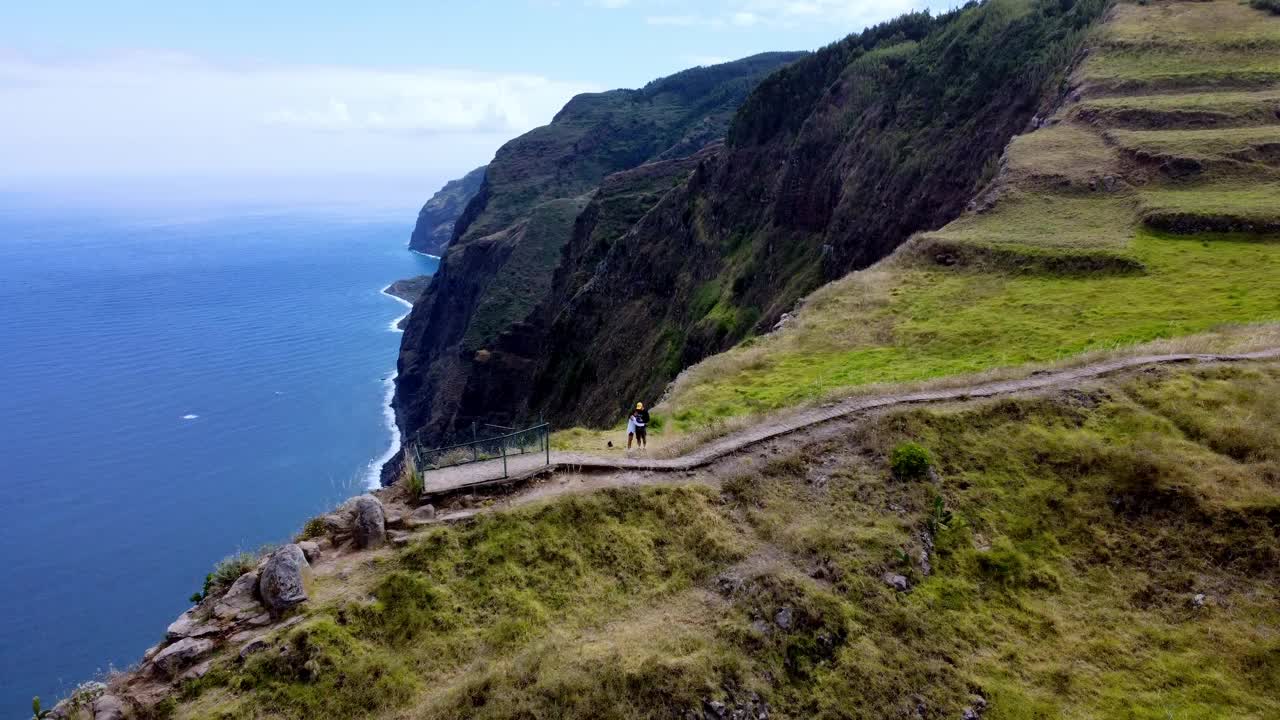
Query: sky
x: 277, y: 91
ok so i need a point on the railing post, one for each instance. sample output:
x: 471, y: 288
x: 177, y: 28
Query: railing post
x: 546, y: 441
x: 504, y: 458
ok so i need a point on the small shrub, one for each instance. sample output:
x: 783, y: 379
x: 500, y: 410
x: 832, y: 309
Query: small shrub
x: 313, y: 529
x: 1273, y: 6
x: 910, y: 461
x: 227, y: 571
x: 940, y: 518
x: 410, y: 476
x: 37, y: 713
x: 743, y: 489
x: 789, y: 466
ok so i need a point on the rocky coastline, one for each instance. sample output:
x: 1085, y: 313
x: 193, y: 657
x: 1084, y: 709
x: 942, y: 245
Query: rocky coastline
x: 252, y: 614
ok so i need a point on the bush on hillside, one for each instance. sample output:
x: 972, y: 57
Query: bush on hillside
x: 1271, y: 5
x: 909, y: 461
x: 226, y: 572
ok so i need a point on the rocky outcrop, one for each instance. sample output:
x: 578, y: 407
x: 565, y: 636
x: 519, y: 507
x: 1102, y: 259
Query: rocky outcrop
x: 177, y: 657
x: 409, y: 289
x: 369, y: 527
x: 190, y: 625
x: 241, y: 600
x: 434, y: 229
x: 282, y: 583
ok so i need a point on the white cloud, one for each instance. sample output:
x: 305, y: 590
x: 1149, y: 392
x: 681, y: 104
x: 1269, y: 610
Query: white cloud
x: 160, y: 112
x: 784, y: 14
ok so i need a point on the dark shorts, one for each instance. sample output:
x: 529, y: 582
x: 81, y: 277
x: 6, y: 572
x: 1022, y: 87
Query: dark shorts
x: 640, y: 433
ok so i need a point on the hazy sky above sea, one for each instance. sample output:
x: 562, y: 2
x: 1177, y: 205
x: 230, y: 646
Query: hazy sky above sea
x: 285, y: 89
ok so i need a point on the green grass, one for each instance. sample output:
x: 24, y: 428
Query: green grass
x: 1216, y: 145
x: 1061, y: 153
x: 922, y: 323
x: 474, y: 594
x: 1256, y: 202
x: 1170, y: 68
x: 1182, y: 109
x: 1222, y: 23
x: 1053, y: 222
x: 1070, y: 537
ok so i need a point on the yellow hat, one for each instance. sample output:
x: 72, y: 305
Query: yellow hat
x: 639, y: 406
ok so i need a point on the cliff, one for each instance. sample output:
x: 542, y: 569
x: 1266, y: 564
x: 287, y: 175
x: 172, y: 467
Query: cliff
x: 509, y: 241
x: 829, y: 165
x: 436, y: 220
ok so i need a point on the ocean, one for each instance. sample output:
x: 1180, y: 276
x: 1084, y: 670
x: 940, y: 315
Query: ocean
x: 175, y: 385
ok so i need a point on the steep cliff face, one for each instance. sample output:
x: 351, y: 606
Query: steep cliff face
x: 831, y: 164
x: 436, y: 220
x: 476, y: 331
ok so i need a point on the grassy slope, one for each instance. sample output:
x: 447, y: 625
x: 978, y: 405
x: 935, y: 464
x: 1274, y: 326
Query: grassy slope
x: 1063, y: 584
x: 1062, y: 264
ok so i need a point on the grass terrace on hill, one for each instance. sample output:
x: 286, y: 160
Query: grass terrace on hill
x: 1175, y: 110
x: 1224, y: 24
x: 1244, y: 146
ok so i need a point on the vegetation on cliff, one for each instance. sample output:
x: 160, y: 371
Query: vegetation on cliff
x: 1109, y: 551
x: 830, y: 165
x: 508, y: 242
x: 1127, y: 218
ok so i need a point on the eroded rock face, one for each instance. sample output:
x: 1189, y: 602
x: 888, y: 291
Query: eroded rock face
x: 190, y: 625
x: 282, y: 583
x: 370, y: 526
x: 311, y: 550
x: 182, y: 654
x: 241, y: 601
x: 108, y: 707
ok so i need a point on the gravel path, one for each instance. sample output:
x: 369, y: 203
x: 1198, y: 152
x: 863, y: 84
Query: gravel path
x: 490, y: 472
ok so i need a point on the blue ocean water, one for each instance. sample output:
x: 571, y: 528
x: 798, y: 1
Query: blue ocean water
x: 174, y: 385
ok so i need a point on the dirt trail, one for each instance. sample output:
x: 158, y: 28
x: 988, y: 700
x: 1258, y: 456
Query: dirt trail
x: 489, y: 474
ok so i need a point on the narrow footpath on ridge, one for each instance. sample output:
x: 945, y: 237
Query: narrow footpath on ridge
x: 489, y: 473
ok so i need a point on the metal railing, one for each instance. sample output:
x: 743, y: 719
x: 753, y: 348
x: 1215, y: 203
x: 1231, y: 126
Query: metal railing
x: 536, y: 439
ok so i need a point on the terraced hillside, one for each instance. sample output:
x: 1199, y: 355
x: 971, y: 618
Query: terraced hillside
x: 1146, y: 207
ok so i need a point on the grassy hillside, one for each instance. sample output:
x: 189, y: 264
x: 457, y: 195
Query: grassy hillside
x: 1146, y: 208
x: 1108, y: 552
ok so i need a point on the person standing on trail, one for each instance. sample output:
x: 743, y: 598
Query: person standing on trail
x: 641, y: 419
x: 631, y: 429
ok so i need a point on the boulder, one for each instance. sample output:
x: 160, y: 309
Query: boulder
x: 394, y: 517
x: 182, y: 654
x: 422, y: 516
x: 108, y: 707
x: 399, y: 538
x: 370, y: 524
x: 311, y: 550
x: 254, y: 645
x: 196, y: 671
x: 282, y: 583
x: 338, y: 523
x: 784, y: 618
x: 241, y: 601
x: 188, y: 625
x: 895, y: 581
